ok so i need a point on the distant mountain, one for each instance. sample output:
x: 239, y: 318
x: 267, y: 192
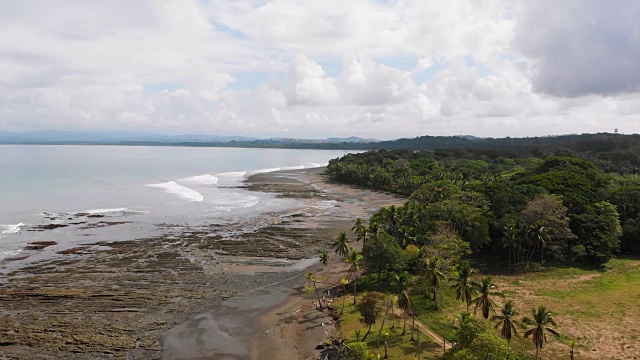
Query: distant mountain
x: 141, y: 138
x: 109, y: 137
x: 351, y: 139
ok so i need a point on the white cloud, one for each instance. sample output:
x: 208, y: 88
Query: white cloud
x: 583, y: 47
x: 369, y: 68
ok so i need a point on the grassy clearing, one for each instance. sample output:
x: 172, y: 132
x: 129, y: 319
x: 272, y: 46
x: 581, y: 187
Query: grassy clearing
x: 599, y: 308
x: 400, y: 346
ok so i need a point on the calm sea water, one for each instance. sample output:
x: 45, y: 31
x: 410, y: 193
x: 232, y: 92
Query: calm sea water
x: 142, y: 186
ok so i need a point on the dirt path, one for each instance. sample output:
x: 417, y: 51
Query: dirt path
x: 432, y: 334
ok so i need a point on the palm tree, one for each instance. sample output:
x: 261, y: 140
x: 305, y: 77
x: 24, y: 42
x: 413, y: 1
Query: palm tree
x: 358, y: 228
x: 539, y: 235
x: 404, y: 303
x: 510, y: 240
x: 354, y: 258
x: 403, y: 281
x: 324, y: 258
x: 540, y: 321
x: 507, y: 320
x: 484, y: 301
x: 344, y: 282
x: 341, y: 245
x: 433, y: 274
x: 464, y: 287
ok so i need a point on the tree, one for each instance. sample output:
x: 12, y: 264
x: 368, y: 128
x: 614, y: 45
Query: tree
x: 382, y: 253
x: 598, y: 232
x: 506, y: 320
x: 312, y: 287
x: 369, y: 308
x: 484, y: 301
x: 354, y: 259
x: 464, y: 287
x: 539, y: 324
x: 546, y: 225
x: 402, y: 281
x: 324, y: 257
x: 341, y: 245
x: 359, y: 228
x: 433, y: 274
x: 404, y: 303
x: 447, y: 245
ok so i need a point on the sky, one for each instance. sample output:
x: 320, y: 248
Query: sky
x: 311, y: 69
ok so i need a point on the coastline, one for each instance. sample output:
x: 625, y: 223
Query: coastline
x: 116, y: 300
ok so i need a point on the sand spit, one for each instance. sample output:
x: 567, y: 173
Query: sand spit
x: 214, y: 292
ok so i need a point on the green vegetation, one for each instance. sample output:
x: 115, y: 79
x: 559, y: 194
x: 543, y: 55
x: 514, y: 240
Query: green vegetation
x: 553, y: 223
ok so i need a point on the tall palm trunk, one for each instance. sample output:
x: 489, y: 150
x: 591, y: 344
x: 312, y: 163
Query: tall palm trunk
x: 413, y: 324
x: 355, y: 284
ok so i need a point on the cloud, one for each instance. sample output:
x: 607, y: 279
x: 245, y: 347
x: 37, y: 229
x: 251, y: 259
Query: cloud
x: 382, y: 69
x: 581, y: 47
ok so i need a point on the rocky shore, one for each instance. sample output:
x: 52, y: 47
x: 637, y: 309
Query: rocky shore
x: 138, y: 299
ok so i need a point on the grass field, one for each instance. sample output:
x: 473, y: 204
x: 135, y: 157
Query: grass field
x: 599, y: 308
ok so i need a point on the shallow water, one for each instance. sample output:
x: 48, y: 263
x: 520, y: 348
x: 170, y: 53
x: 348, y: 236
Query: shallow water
x: 87, y: 189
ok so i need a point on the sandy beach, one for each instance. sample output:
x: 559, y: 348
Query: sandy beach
x: 217, y: 292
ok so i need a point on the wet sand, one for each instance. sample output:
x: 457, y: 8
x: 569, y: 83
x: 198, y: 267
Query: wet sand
x: 235, y: 292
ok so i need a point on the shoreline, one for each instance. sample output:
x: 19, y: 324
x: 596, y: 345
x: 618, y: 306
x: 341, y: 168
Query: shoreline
x: 118, y: 300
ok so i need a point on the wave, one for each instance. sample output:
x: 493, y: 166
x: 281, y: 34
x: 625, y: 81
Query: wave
x: 236, y: 174
x: 178, y: 190
x: 103, y: 211
x: 11, y: 228
x: 9, y: 253
x: 205, y: 179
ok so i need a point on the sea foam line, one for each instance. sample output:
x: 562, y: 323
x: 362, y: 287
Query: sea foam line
x: 206, y: 179
x: 183, y: 192
x: 11, y: 228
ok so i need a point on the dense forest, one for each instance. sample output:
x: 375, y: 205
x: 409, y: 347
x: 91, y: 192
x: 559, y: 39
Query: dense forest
x: 519, y: 210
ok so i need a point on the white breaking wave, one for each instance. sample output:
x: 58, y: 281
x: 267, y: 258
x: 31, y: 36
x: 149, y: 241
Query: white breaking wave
x: 178, y: 190
x: 205, y: 179
x: 11, y: 228
x: 103, y: 211
x: 9, y: 253
x: 299, y: 167
x: 236, y: 174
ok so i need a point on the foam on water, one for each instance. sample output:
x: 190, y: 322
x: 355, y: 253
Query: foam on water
x: 235, y: 202
x: 205, y: 179
x: 11, y: 228
x: 9, y: 253
x: 103, y: 211
x: 236, y: 174
x: 183, y: 192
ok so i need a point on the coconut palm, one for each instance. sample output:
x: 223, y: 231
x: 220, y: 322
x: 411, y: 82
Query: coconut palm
x: 433, y: 274
x: 354, y: 259
x: 484, y: 301
x: 539, y: 324
x: 507, y: 320
x: 404, y: 303
x: 341, y: 245
x: 358, y: 228
x: 464, y: 287
x: 324, y: 258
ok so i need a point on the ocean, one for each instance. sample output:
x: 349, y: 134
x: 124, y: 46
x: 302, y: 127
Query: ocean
x: 81, y: 194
